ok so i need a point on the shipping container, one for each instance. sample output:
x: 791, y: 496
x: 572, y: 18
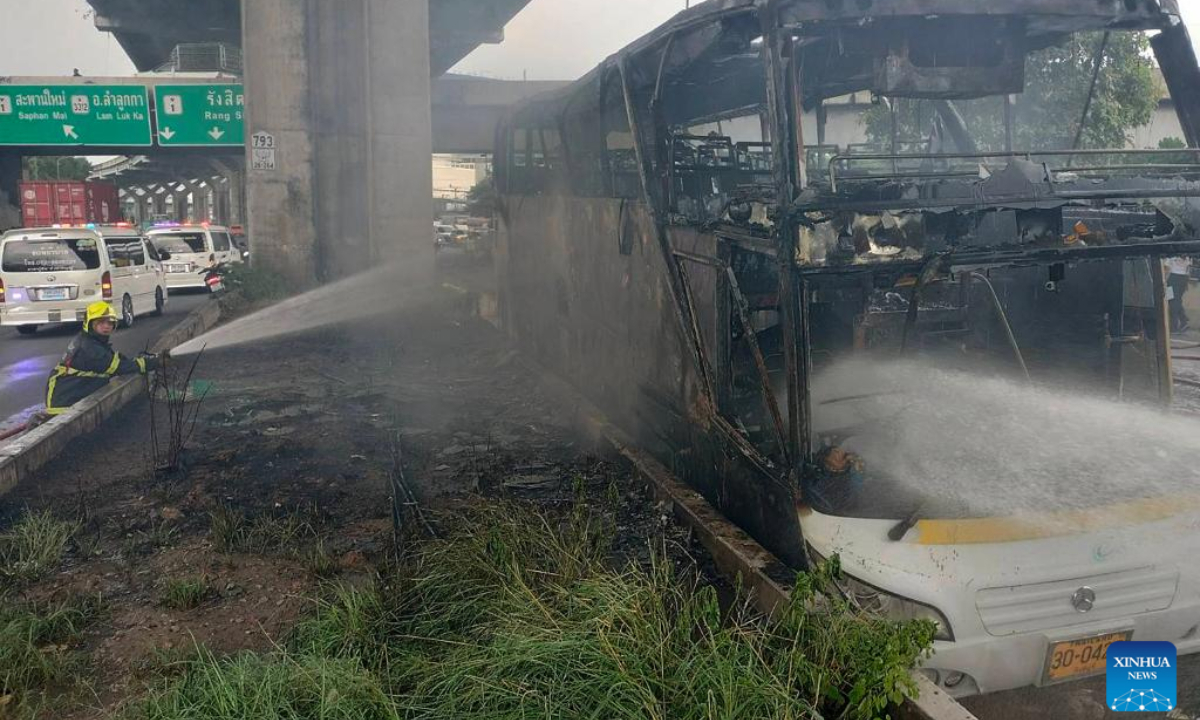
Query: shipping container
x: 45, y: 203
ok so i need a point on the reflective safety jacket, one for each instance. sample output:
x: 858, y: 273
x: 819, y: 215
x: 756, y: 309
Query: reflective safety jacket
x: 88, y: 365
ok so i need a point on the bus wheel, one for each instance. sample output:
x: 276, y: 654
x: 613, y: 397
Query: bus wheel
x: 27, y: 329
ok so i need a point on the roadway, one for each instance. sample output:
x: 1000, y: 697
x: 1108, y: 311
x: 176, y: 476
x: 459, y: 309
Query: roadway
x: 26, y: 361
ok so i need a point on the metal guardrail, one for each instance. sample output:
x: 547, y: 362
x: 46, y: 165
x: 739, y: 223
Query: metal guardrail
x: 204, y: 57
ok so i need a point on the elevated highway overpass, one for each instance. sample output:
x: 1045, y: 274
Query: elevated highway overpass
x: 189, y: 181
x: 149, y: 30
x: 465, y: 110
x: 343, y: 92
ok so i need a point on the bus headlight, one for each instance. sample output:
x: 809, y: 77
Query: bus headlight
x: 889, y: 605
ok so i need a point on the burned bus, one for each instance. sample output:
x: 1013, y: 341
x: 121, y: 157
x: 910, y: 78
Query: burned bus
x: 939, y: 359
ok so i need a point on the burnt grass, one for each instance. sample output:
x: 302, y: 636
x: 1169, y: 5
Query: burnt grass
x: 295, y: 449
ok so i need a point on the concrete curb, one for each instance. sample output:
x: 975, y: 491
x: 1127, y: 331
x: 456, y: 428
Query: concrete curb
x: 737, y: 555
x: 25, y: 455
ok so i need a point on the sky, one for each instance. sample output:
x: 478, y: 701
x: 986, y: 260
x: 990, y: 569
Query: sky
x: 53, y: 37
x: 549, y: 40
x: 564, y: 39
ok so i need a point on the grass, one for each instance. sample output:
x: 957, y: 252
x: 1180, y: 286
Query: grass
x: 269, y: 687
x: 154, y: 537
x: 186, y: 593
x: 292, y: 535
x: 318, y: 560
x: 34, y: 546
x: 521, y: 615
x: 35, y: 653
x: 233, y: 532
x: 169, y: 663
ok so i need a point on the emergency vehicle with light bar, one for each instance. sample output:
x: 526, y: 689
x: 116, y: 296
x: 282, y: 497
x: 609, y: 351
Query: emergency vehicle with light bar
x: 194, y: 248
x: 49, y: 276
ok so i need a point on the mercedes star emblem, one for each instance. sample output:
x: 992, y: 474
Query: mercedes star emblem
x: 1084, y: 599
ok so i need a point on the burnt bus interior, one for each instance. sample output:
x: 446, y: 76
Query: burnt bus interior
x: 1039, y: 265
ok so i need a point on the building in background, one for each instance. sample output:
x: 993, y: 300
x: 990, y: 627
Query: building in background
x: 454, y: 175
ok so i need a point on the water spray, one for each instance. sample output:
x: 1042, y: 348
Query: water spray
x: 973, y: 445
x: 376, y: 293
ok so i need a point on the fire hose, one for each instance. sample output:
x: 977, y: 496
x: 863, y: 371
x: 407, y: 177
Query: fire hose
x: 14, y: 431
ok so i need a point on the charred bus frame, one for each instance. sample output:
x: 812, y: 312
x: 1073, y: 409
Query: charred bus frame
x: 603, y: 158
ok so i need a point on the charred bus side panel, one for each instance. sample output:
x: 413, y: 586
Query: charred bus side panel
x: 586, y: 295
x: 588, y: 289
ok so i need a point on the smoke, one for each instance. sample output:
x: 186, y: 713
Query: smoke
x: 373, y: 294
x: 955, y: 444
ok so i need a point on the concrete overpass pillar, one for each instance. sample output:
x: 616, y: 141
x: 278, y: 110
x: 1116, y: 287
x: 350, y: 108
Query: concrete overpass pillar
x: 141, y: 199
x: 182, y: 207
x: 237, y: 197
x: 220, y: 200
x: 275, y: 75
x: 159, y: 200
x: 201, y: 207
x: 10, y: 189
x: 344, y: 89
x: 402, y: 133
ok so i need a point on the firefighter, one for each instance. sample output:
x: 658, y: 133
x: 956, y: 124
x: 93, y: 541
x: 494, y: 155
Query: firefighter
x: 90, y: 362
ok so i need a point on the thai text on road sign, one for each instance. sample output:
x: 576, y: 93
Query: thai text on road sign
x: 98, y: 115
x: 200, y: 115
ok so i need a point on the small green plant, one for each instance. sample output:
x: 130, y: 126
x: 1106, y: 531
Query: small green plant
x: 251, y: 286
x: 35, y: 646
x: 186, y: 593
x: 318, y: 560
x: 228, y: 530
x: 156, y: 536
x: 33, y: 546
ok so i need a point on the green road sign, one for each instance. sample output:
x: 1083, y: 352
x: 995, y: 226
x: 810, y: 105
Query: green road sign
x: 98, y: 115
x: 200, y: 115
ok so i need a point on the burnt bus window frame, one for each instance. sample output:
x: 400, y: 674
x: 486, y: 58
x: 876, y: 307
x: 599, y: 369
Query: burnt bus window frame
x: 665, y: 87
x: 561, y: 146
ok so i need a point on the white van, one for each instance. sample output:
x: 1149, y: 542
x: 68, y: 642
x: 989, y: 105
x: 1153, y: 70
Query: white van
x: 192, y: 249
x: 50, y: 275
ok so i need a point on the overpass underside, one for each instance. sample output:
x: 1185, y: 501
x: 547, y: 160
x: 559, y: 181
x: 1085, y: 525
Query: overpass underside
x: 343, y: 91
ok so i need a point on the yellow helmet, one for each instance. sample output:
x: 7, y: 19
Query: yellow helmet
x: 98, y: 311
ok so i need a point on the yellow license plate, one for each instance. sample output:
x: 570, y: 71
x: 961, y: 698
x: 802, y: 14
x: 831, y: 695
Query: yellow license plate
x: 1077, y: 658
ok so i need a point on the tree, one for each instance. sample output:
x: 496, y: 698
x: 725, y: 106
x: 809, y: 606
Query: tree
x: 481, y: 200
x: 1174, y: 143
x: 1047, y: 114
x: 55, y: 168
